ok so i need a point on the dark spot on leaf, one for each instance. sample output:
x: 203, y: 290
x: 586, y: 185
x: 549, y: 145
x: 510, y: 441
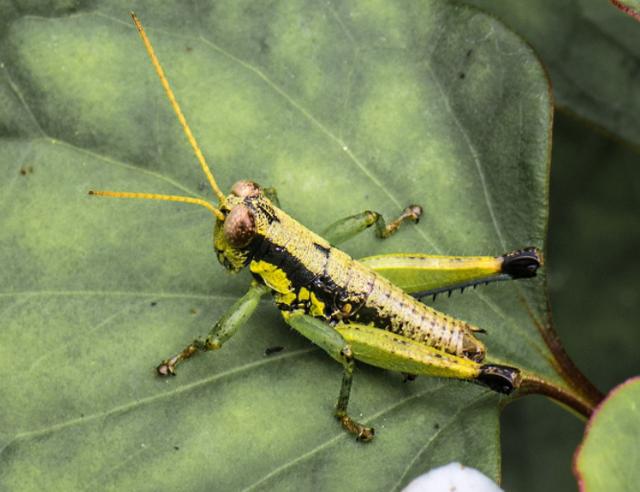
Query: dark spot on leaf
x: 436, y: 426
x: 153, y: 303
x: 461, y: 75
x: 26, y: 170
x: 264, y: 46
x: 177, y: 448
x: 273, y: 350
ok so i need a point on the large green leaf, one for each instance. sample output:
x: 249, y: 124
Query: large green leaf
x: 607, y: 459
x: 342, y: 107
x: 592, y: 52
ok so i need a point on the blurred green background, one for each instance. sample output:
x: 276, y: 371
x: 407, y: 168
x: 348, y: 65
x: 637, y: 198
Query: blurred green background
x: 593, y: 265
x: 592, y: 53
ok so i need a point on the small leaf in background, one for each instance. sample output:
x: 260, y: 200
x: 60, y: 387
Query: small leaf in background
x: 609, y: 456
x: 630, y: 7
x: 592, y: 53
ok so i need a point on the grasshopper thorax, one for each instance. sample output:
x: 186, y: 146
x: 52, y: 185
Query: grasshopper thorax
x: 246, y: 215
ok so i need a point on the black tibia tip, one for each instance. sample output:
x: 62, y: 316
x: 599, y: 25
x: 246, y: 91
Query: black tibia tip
x: 245, y: 188
x: 503, y: 379
x: 522, y: 263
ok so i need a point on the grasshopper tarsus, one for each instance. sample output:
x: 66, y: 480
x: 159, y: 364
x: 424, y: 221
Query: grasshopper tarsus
x: 366, y: 434
x: 362, y: 432
x: 413, y: 212
x: 384, y: 230
x: 168, y: 366
x: 166, y: 369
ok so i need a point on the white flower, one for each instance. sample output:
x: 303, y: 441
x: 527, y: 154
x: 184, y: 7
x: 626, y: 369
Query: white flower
x: 453, y: 477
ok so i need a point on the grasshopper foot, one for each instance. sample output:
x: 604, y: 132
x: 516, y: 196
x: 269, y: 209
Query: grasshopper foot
x: 167, y: 368
x: 412, y: 212
x: 362, y: 432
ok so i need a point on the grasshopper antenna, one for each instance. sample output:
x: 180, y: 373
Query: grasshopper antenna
x: 187, y: 131
x: 155, y: 196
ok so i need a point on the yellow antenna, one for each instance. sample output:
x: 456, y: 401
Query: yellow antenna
x: 176, y: 108
x: 155, y: 196
x: 194, y: 144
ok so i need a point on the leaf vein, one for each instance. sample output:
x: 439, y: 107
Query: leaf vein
x: 343, y: 435
x: 154, y: 398
x: 474, y: 154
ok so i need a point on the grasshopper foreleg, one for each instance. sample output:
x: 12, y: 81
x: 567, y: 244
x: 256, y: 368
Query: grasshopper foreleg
x: 346, y: 228
x: 332, y: 342
x: 272, y: 195
x: 236, y: 316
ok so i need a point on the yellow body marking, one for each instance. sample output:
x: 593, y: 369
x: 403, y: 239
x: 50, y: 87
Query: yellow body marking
x: 275, y: 279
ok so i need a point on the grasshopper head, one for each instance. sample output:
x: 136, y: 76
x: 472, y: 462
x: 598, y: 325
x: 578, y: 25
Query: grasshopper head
x: 234, y: 236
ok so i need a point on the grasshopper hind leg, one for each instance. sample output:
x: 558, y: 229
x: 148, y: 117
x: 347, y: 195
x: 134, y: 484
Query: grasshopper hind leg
x: 502, y: 379
x: 332, y: 342
x: 362, y: 432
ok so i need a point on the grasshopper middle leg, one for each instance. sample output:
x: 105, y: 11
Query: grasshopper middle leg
x: 236, y: 316
x: 346, y: 228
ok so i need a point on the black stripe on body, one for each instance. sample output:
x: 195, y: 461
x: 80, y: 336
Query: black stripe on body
x: 362, y: 296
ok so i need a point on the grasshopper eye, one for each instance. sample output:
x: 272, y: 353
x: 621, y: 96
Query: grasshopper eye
x: 239, y: 226
x: 245, y: 188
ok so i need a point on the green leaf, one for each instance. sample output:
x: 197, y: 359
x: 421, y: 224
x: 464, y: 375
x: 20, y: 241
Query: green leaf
x: 342, y: 107
x: 607, y: 459
x: 592, y: 53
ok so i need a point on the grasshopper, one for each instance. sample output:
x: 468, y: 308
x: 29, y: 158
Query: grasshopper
x: 366, y: 310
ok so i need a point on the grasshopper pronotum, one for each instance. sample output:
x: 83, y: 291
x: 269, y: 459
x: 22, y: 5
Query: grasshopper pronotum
x: 354, y: 310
